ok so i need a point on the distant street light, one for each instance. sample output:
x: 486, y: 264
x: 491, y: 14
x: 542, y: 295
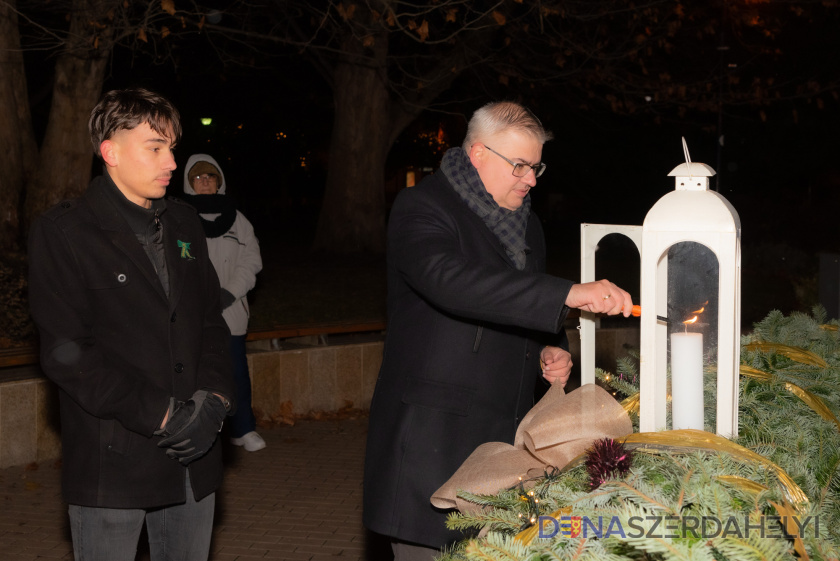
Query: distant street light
x: 206, y: 121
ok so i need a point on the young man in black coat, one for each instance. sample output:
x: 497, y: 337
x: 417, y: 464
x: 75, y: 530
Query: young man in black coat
x: 127, y: 305
x: 473, y: 321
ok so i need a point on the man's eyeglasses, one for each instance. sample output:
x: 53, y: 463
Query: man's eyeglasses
x: 205, y: 177
x: 521, y: 170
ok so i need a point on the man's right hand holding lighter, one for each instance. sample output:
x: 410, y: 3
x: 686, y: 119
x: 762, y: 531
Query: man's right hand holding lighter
x: 600, y: 297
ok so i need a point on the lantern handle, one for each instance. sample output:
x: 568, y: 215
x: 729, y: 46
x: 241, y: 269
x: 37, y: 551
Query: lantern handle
x: 687, y: 156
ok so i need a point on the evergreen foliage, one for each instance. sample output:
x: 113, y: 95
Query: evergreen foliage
x: 788, y: 407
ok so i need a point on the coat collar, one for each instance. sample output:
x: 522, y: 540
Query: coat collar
x: 112, y: 222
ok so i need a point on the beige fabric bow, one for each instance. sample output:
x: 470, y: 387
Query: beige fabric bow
x: 557, y: 429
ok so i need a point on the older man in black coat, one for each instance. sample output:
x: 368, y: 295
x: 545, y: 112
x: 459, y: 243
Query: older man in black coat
x: 473, y: 321
x: 127, y: 304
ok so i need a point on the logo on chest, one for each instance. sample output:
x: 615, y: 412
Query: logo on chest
x: 185, y: 250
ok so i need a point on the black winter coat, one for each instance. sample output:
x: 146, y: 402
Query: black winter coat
x: 461, y: 358
x: 118, y: 348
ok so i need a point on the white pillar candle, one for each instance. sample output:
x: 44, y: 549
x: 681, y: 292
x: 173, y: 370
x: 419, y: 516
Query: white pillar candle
x: 687, y: 381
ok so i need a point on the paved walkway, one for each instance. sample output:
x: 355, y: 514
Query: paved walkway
x: 298, y: 499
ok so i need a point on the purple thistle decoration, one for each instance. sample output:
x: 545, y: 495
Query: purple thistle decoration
x: 607, y: 459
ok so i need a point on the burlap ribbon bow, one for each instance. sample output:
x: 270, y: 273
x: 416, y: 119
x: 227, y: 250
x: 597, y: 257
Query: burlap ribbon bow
x: 557, y: 429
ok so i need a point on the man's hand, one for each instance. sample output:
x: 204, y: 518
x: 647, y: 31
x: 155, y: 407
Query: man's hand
x: 191, y: 427
x: 600, y: 297
x: 556, y: 365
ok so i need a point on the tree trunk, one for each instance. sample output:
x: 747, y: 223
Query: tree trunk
x: 353, y: 210
x: 367, y: 123
x: 65, y: 160
x: 18, y: 149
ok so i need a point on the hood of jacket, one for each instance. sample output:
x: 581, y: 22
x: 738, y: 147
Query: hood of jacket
x: 194, y: 159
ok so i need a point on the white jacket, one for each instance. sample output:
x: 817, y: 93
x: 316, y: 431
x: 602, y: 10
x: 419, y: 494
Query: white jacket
x: 235, y: 255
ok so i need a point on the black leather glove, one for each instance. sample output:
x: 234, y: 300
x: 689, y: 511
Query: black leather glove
x: 227, y: 299
x: 192, y: 426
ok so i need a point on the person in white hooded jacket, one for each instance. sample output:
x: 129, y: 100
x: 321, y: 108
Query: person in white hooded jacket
x: 235, y: 254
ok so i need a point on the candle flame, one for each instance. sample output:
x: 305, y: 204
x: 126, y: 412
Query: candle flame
x: 697, y: 313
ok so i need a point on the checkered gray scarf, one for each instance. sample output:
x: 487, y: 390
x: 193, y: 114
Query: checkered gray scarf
x: 508, y: 225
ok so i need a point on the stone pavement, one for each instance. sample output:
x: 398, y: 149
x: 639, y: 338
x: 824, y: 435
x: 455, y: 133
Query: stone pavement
x: 298, y: 499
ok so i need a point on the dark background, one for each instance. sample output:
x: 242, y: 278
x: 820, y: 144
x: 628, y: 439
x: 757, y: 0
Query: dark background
x: 271, y: 135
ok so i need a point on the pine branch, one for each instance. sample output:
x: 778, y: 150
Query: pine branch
x: 774, y: 423
x: 620, y: 382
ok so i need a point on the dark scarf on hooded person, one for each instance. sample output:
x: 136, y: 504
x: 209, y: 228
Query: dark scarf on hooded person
x: 508, y: 226
x: 222, y: 205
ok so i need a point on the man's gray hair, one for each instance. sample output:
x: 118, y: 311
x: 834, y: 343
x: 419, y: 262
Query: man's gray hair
x: 499, y: 116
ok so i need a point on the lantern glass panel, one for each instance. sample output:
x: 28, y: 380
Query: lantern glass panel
x: 618, y: 260
x: 693, y: 285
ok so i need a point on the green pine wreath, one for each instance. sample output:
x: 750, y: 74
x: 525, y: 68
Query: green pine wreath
x: 650, y: 502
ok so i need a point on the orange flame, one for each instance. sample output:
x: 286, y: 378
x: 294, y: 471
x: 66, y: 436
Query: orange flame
x: 702, y: 308
x: 637, y: 311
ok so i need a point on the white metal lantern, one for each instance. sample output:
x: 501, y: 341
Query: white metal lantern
x: 690, y: 213
x: 690, y: 217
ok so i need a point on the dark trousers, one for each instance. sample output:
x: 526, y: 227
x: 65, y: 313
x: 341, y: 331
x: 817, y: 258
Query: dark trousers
x: 179, y: 531
x: 404, y: 551
x: 243, y: 420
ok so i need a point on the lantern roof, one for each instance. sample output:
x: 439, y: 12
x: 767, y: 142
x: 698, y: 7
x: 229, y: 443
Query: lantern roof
x: 693, y: 169
x: 691, y: 206
x: 692, y: 176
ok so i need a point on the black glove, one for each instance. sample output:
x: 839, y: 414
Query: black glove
x: 227, y: 299
x: 192, y: 427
